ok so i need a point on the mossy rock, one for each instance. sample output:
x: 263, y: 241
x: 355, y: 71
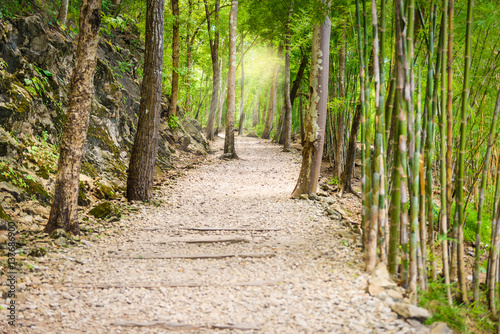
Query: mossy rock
x: 43, y: 172
x: 83, y: 187
x: 105, y: 209
x: 59, y: 233
x: 3, y: 214
x: 35, y: 188
x: 89, y: 170
x: 104, y: 192
x: 38, y: 252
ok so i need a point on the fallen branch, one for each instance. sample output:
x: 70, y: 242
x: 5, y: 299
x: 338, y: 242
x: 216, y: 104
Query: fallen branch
x: 197, y: 256
x: 202, y: 241
x: 157, y: 285
x: 179, y: 327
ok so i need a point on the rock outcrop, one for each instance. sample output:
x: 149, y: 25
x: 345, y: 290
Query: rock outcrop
x: 36, y: 62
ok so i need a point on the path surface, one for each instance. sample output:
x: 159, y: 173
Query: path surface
x: 293, y: 274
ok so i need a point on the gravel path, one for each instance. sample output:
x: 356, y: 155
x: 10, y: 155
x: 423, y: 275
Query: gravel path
x: 285, y: 267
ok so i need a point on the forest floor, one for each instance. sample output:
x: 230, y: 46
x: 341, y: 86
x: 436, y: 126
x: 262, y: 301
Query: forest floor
x: 224, y: 249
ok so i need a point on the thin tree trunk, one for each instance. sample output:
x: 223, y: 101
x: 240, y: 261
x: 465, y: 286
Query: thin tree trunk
x: 484, y: 177
x: 229, y: 149
x: 432, y: 88
x: 338, y: 163
x: 495, y: 242
x: 287, y: 128
x: 242, y: 102
x: 189, y: 47
x: 143, y: 158
x: 256, y: 108
x: 63, y: 213
x: 172, y: 108
x: 301, y: 113
x: 63, y: 12
x: 297, y: 83
x: 449, y: 112
x: 222, y: 96
x: 272, y: 99
x: 214, y: 52
x: 442, y: 131
x: 345, y: 183
x: 461, y: 159
x: 315, y: 119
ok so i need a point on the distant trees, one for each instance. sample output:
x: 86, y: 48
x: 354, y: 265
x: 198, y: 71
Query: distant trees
x: 143, y: 158
x: 229, y: 149
x: 63, y: 213
x: 214, y: 53
x: 172, y: 108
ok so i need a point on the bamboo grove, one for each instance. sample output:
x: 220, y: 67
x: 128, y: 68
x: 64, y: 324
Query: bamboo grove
x: 423, y: 168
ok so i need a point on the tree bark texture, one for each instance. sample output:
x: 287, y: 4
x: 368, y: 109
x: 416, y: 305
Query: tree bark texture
x: 229, y: 149
x: 63, y: 213
x: 172, y: 108
x: 63, y: 12
x: 143, y: 158
x: 214, y: 51
x: 315, y: 118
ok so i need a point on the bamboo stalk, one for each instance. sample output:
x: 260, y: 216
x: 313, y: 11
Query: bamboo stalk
x: 495, y: 243
x: 442, y: 132
x: 461, y: 163
x: 484, y: 177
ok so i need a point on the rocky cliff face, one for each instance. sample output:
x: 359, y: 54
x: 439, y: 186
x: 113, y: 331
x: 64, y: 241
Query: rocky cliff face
x: 36, y: 62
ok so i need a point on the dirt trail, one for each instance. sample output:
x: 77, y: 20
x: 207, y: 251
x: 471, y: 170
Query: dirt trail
x: 264, y: 263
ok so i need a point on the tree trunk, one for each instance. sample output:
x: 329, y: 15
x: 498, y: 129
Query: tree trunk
x: 189, y: 47
x: 214, y: 51
x: 298, y: 79
x: 462, y: 284
x: 345, y: 182
x: 272, y: 99
x: 484, y: 177
x: 172, y: 108
x: 63, y: 213
x: 287, y: 127
x: 255, y: 114
x: 143, y: 158
x: 315, y: 119
x: 229, y: 149
x: 242, y: 102
x: 63, y: 12
x: 220, y: 107
x: 338, y: 163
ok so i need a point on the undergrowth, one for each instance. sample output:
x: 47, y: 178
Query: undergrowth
x: 460, y: 317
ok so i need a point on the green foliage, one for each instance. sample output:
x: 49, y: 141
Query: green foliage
x: 173, y: 122
x: 471, y: 225
x: 259, y: 129
x: 333, y: 181
x: 7, y: 173
x: 436, y: 301
x: 109, y: 23
x: 14, y: 9
x: 461, y: 318
x: 42, y: 154
x: 124, y: 66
